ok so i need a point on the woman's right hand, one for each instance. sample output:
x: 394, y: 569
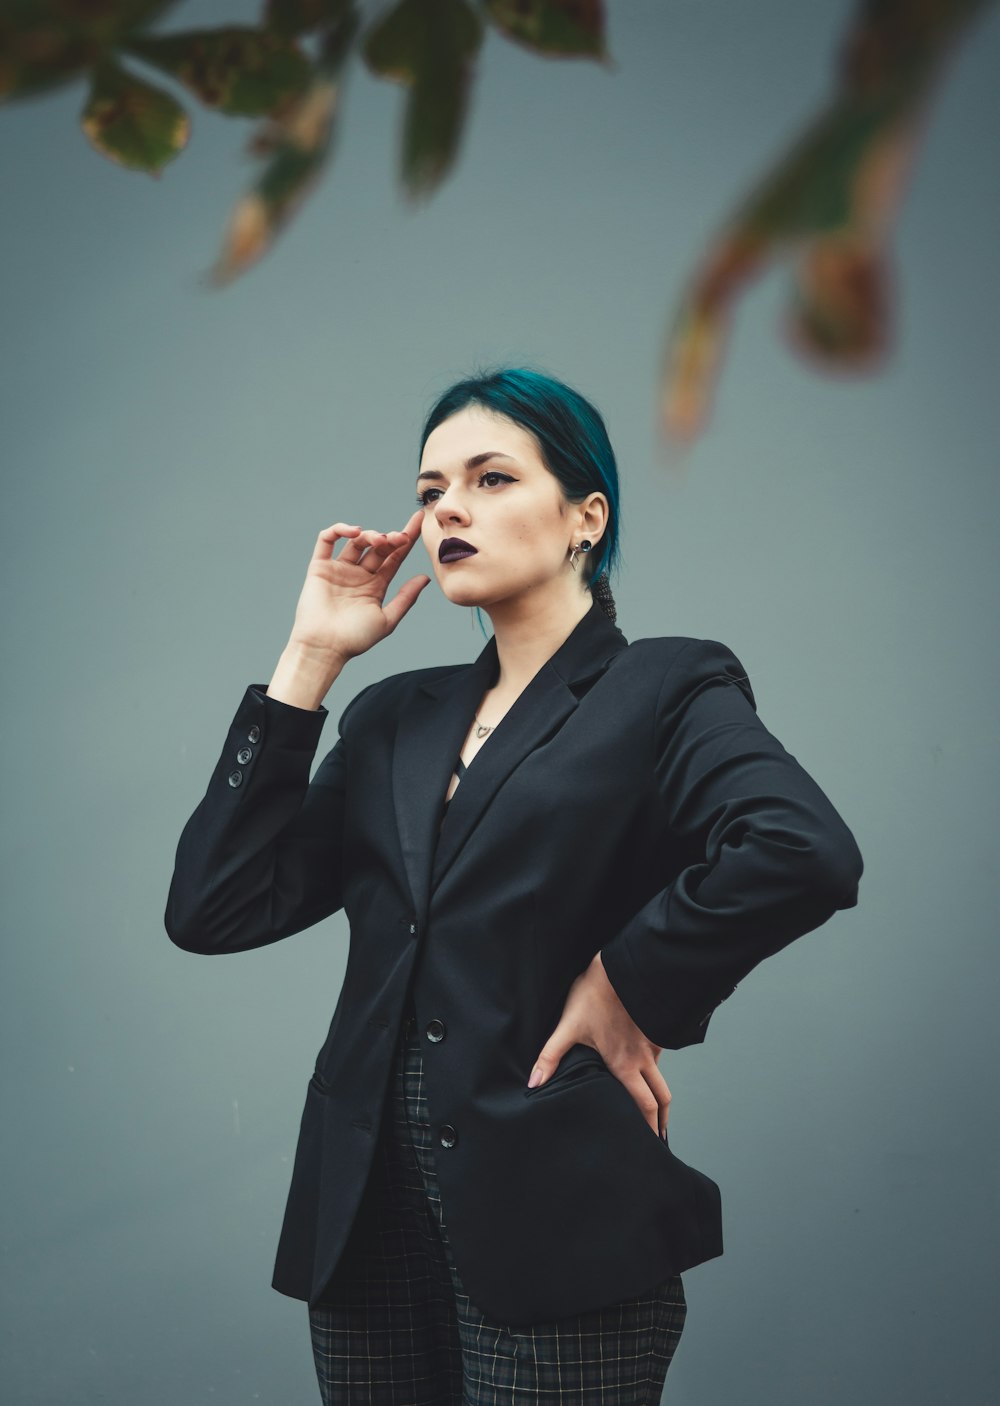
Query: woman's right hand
x: 340, y: 612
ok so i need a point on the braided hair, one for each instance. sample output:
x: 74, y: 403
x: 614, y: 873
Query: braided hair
x: 600, y: 589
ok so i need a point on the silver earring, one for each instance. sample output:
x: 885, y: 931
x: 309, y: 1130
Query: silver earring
x: 584, y: 546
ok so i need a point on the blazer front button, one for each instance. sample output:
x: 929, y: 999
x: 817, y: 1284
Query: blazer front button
x: 435, y: 1030
x: 254, y: 734
x: 235, y: 777
x: 449, y: 1137
x: 244, y: 755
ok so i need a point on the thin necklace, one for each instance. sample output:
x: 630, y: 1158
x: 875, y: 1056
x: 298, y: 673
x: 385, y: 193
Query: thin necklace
x: 481, y: 729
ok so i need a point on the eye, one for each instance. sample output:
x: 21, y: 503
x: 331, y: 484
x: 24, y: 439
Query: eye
x: 424, y: 501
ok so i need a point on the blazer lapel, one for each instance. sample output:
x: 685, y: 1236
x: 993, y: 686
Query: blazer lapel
x: 435, y: 724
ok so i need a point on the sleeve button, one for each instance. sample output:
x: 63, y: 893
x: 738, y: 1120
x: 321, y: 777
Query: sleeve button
x: 254, y: 734
x: 235, y: 777
x: 244, y: 755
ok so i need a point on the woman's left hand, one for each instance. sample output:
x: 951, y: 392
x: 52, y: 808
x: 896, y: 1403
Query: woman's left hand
x: 593, y: 1015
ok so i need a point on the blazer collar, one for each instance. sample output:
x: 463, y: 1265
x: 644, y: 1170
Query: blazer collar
x: 434, y: 723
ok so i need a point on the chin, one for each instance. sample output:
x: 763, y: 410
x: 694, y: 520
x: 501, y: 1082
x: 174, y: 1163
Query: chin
x: 461, y: 589
x: 464, y: 597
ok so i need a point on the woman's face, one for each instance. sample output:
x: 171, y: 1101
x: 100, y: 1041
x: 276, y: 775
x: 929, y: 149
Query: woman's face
x: 504, y: 503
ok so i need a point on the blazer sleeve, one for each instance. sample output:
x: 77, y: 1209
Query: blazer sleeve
x: 261, y: 856
x: 771, y: 857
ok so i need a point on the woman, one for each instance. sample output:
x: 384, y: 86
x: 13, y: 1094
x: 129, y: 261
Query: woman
x: 556, y: 862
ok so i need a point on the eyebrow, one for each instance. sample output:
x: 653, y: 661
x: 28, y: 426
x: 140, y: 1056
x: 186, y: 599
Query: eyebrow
x: 472, y: 463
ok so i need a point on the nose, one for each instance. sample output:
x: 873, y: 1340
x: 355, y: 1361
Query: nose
x: 449, y: 511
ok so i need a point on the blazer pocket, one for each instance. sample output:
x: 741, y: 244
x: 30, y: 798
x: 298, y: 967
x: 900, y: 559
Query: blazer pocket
x: 579, y: 1063
x: 318, y: 1084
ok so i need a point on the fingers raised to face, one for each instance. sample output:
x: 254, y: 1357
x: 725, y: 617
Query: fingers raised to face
x: 327, y: 539
x: 367, y: 546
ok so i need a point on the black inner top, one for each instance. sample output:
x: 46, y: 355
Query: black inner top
x: 409, y: 1010
x: 460, y: 770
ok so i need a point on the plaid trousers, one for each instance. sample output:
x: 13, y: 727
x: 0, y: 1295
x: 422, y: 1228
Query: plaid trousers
x: 396, y: 1327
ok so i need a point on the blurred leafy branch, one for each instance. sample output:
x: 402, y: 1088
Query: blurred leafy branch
x: 826, y: 206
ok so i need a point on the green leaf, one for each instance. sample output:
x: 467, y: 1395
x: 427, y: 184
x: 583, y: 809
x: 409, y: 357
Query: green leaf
x: 839, y: 311
x: 300, y: 16
x: 554, y: 28
x: 44, y: 43
x: 132, y: 123
x: 811, y: 188
x: 417, y: 39
x: 297, y: 145
x: 239, y: 71
x: 899, y: 42
x: 826, y: 208
x: 431, y: 46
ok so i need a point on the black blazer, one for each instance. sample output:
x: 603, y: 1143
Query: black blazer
x: 629, y: 801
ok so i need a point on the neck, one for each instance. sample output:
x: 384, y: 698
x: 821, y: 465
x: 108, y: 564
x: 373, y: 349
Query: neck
x: 528, y: 631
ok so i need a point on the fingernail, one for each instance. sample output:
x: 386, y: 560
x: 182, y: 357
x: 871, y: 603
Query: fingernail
x: 536, y: 1078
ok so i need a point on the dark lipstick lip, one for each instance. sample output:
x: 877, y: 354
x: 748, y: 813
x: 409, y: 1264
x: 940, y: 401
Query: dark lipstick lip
x: 454, y: 544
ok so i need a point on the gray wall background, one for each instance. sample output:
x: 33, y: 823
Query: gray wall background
x: 169, y: 456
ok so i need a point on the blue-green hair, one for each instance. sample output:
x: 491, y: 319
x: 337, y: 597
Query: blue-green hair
x: 571, y: 435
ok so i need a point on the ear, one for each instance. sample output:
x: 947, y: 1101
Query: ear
x: 594, y: 516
